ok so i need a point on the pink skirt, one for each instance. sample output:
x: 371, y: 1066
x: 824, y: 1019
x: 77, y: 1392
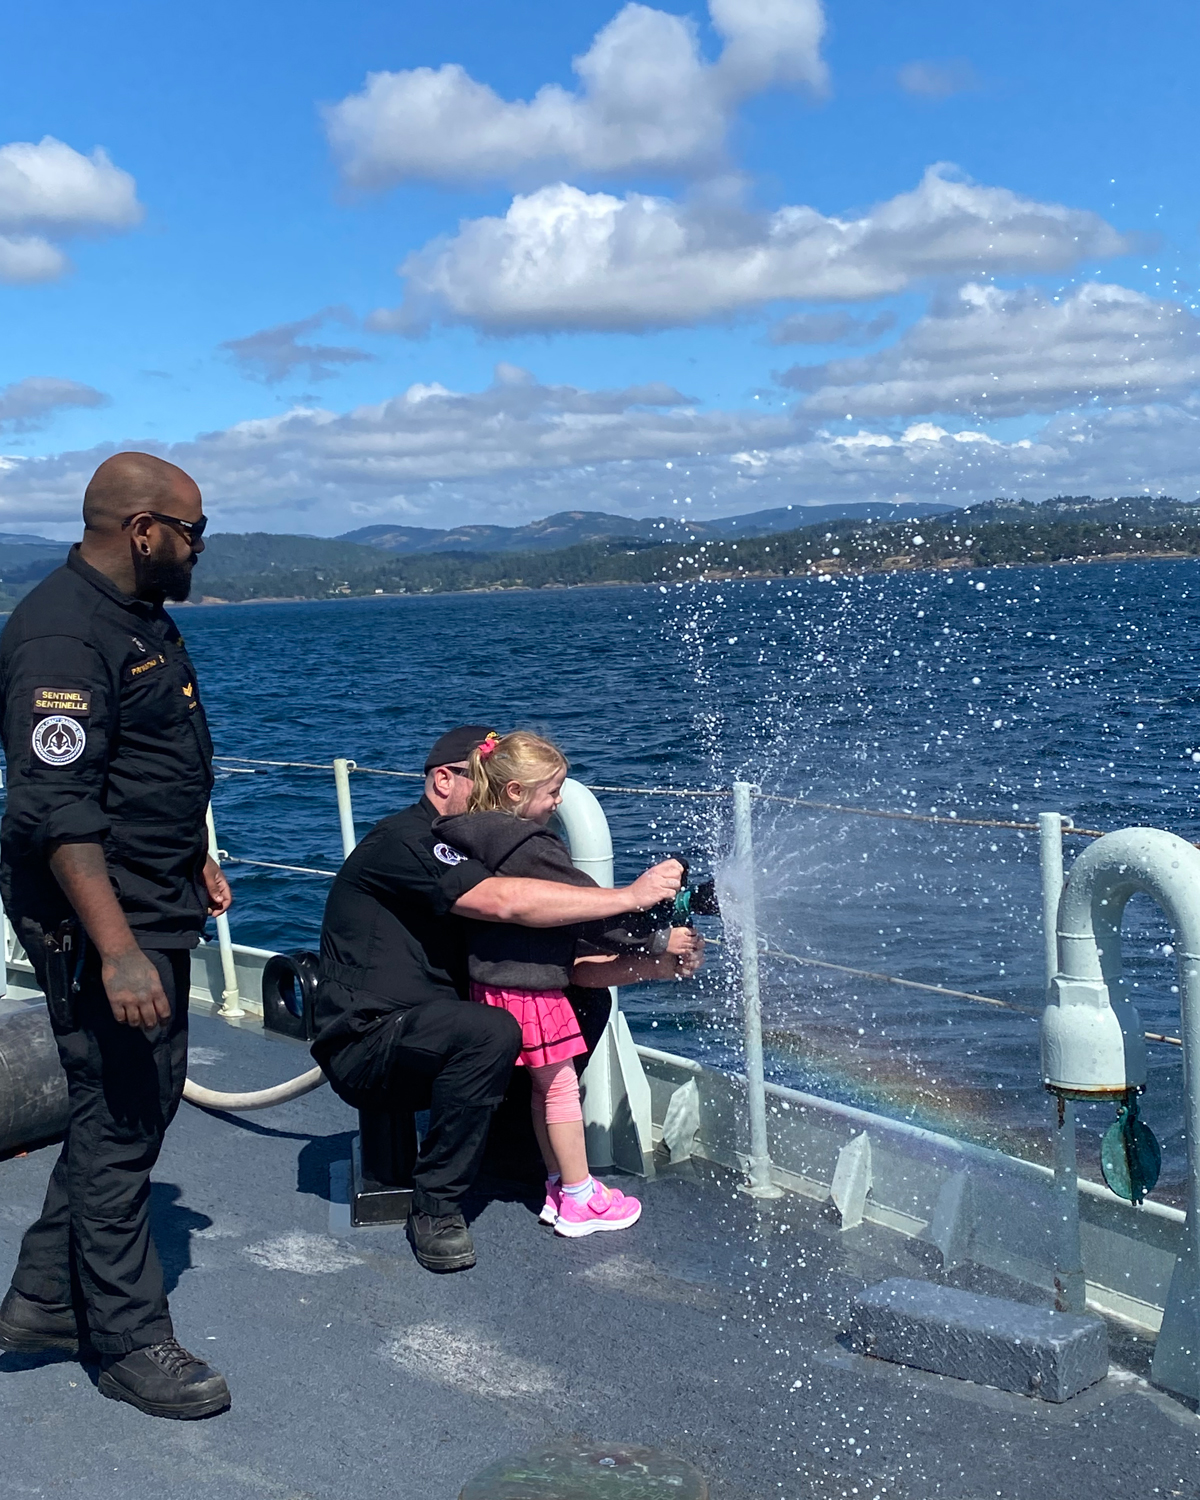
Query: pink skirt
x: 549, y: 1026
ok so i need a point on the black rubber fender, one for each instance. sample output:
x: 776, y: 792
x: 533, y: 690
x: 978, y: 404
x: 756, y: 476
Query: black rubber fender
x: 289, y: 993
x: 33, y: 1086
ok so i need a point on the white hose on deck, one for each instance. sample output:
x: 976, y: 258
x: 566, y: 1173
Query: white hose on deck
x: 280, y: 1093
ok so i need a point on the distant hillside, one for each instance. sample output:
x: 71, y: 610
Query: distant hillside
x: 264, y: 565
x: 959, y: 539
x: 1123, y: 508
x: 573, y: 528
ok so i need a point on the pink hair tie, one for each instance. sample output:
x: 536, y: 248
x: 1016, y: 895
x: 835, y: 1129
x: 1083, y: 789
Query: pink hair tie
x: 488, y: 746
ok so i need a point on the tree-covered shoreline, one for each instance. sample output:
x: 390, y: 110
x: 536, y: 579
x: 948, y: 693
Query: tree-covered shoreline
x: 838, y: 548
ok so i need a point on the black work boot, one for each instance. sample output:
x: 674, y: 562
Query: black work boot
x: 165, y: 1381
x: 28, y: 1327
x: 441, y: 1242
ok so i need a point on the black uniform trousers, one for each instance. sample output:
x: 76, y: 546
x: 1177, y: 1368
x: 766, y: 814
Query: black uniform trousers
x: 451, y: 1056
x: 92, y: 1243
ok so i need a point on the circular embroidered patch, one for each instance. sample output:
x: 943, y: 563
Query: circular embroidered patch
x: 59, y: 740
x: 444, y: 852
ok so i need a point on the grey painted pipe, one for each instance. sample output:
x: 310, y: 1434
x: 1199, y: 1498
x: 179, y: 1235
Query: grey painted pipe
x: 33, y: 1087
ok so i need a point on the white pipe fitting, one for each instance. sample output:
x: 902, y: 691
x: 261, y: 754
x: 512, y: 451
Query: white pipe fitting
x: 1092, y: 1041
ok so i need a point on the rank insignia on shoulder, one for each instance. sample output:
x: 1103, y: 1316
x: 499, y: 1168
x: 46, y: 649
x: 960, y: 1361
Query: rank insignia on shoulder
x: 447, y: 855
x: 62, y: 701
x: 140, y: 668
x: 59, y: 740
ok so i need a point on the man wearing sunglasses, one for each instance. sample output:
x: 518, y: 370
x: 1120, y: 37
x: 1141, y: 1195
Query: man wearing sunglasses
x: 104, y: 871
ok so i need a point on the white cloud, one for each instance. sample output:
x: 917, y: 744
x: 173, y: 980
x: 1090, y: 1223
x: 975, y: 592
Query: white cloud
x: 565, y: 259
x: 272, y: 354
x: 49, y: 191
x: 934, y: 80
x: 28, y: 404
x: 26, y: 258
x: 831, y: 328
x: 1000, y: 353
x: 647, y: 100
x: 521, y: 450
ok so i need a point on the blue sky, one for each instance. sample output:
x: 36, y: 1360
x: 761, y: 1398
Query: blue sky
x: 713, y: 268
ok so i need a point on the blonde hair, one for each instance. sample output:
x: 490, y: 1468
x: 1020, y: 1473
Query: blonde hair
x: 522, y: 757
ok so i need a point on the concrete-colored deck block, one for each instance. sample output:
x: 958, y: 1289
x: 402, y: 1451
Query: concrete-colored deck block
x: 989, y: 1340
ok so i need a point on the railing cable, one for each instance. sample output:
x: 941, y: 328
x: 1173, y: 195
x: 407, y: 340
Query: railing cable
x: 946, y: 820
x: 934, y: 989
x: 267, y: 864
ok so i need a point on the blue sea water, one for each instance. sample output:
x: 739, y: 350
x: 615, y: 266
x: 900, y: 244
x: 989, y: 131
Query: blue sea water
x: 997, y: 693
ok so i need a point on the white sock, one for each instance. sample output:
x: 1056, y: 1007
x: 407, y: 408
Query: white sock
x: 554, y: 1178
x: 580, y: 1191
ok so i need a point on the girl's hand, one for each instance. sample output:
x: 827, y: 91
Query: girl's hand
x: 659, y: 883
x: 687, y: 947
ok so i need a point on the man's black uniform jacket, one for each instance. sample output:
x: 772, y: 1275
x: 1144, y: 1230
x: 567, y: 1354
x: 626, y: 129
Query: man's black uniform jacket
x: 389, y: 940
x: 107, y: 743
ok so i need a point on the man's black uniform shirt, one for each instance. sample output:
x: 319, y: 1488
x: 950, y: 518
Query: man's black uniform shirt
x: 389, y: 940
x: 106, y: 742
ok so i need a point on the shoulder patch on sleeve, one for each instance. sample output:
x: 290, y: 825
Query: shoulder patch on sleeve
x: 58, y: 740
x: 62, y: 701
x: 447, y: 855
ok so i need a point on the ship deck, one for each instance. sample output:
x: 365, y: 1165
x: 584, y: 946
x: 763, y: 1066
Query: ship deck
x: 709, y: 1330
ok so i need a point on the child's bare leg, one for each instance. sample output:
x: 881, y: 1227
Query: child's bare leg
x: 570, y: 1150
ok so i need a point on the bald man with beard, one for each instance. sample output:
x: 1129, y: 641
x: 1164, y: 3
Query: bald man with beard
x: 105, y: 873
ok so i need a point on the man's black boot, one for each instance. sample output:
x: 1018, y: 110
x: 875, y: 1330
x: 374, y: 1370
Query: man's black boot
x: 441, y: 1242
x: 28, y: 1327
x: 165, y: 1381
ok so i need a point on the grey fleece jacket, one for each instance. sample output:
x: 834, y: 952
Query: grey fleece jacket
x: 526, y: 958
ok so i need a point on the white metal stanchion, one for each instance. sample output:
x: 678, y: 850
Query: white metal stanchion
x: 231, y: 1000
x: 760, y: 1184
x: 341, y: 780
x: 1070, y: 1293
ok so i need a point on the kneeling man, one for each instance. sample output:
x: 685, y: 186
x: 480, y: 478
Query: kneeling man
x: 393, y: 1019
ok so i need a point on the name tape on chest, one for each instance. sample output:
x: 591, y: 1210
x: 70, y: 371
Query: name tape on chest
x: 150, y: 664
x: 74, y: 701
x: 447, y: 855
x: 58, y: 740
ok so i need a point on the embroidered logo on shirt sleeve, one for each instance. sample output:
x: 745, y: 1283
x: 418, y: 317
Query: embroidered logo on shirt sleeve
x: 447, y: 855
x: 74, y: 701
x: 59, y: 740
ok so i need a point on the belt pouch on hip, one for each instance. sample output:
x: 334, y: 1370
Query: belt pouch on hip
x: 64, y: 965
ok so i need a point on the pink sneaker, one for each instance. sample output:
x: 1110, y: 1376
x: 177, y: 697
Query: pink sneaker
x: 607, y: 1208
x: 553, y: 1203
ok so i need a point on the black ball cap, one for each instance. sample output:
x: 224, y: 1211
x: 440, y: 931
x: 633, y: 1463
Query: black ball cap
x: 457, y: 744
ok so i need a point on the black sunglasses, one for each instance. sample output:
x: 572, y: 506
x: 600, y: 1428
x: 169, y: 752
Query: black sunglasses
x: 192, y: 530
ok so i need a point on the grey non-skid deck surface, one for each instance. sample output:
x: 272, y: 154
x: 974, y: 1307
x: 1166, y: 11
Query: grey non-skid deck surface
x: 709, y: 1330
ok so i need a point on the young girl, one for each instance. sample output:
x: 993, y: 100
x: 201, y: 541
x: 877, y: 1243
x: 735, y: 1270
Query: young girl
x: 517, y: 785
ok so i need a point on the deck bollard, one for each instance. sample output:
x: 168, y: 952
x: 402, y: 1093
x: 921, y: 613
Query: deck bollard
x: 760, y: 1184
x: 341, y: 780
x: 231, y: 1000
x: 1070, y: 1291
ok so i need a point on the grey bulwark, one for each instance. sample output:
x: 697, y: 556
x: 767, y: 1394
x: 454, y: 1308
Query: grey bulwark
x: 989, y: 1340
